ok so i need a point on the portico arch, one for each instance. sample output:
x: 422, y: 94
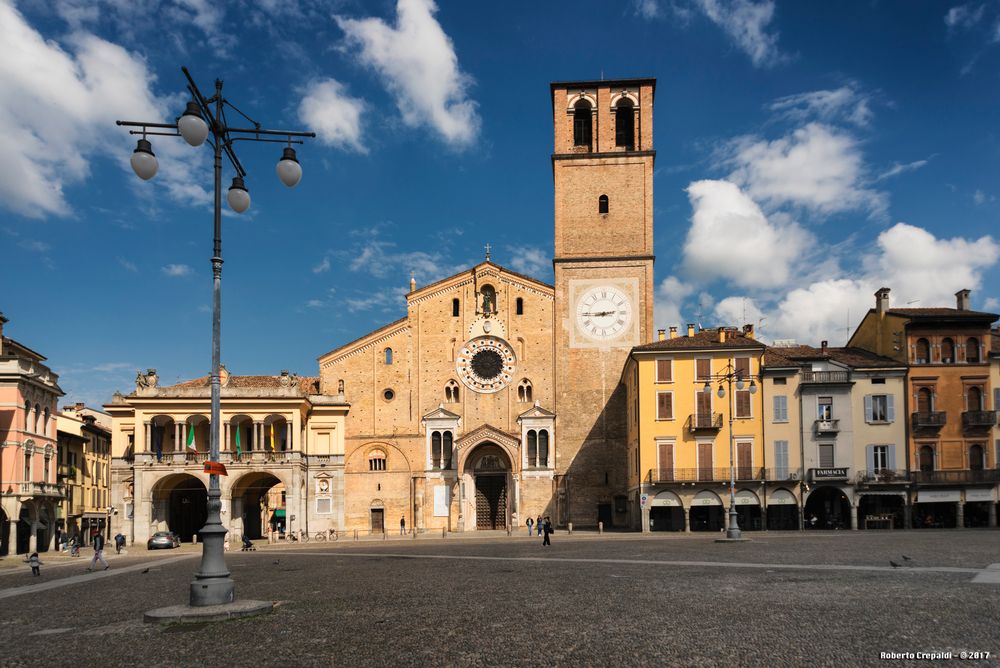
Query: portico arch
x: 259, y: 504
x: 178, y: 504
x: 25, y: 525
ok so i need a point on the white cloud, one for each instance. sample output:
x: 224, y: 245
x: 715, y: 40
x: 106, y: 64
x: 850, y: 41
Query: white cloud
x: 963, y: 16
x: 980, y: 198
x: 57, y: 106
x: 176, y: 270
x: 418, y: 65
x: 388, y: 299
x: 530, y: 261
x: 333, y: 115
x: 846, y: 102
x: 731, y: 238
x: 647, y: 9
x: 315, y: 303
x: 128, y: 265
x: 381, y: 259
x: 739, y: 311
x: 33, y: 246
x: 746, y: 23
x: 323, y: 266
x: 901, y: 168
x: 991, y: 304
x: 669, y: 300
x: 816, y: 167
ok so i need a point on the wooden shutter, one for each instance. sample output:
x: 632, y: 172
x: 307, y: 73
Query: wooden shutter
x: 743, y: 367
x: 704, y: 405
x: 870, y: 458
x: 705, y: 462
x: 826, y: 458
x: 664, y: 406
x: 664, y: 371
x: 743, y: 403
x: 666, y: 462
x: 869, y: 412
x: 744, y: 461
x: 890, y: 457
x: 890, y: 407
x: 781, y: 460
x: 704, y: 368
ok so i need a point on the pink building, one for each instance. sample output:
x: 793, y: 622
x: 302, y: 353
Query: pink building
x: 28, y: 489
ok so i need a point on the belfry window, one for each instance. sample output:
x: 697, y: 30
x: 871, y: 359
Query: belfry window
x: 388, y: 355
x: 602, y: 204
x: 519, y: 306
x: 451, y: 392
x: 524, y: 391
x: 625, y: 124
x: 454, y: 307
x: 582, y: 124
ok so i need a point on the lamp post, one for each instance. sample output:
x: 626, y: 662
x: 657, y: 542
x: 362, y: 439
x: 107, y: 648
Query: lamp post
x: 205, y: 119
x: 728, y: 376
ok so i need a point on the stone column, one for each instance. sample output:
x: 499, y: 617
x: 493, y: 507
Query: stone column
x: 992, y: 522
x: 145, y: 437
x: 960, y: 515
x: 177, y: 434
x: 687, y: 520
x: 644, y: 519
x: 854, y: 517
x: 288, y: 435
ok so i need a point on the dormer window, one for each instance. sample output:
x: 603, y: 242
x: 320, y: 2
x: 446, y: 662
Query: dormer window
x: 582, y: 124
x: 625, y: 124
x: 602, y: 204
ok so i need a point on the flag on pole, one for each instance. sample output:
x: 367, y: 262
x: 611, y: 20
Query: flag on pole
x: 190, y: 443
x: 239, y: 449
x: 158, y: 442
x: 272, y: 437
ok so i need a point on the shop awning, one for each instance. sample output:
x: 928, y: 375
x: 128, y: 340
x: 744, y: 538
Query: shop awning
x: 280, y: 512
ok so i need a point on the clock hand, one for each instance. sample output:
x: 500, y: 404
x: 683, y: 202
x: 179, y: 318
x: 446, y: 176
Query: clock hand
x: 600, y: 313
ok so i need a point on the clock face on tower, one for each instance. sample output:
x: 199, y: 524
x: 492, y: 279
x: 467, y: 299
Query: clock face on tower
x: 603, y: 312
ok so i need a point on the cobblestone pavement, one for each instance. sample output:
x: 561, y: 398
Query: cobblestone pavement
x: 816, y: 599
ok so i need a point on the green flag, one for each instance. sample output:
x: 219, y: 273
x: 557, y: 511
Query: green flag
x: 190, y: 443
x: 239, y: 450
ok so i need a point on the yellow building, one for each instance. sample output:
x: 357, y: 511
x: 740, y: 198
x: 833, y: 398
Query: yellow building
x: 85, y: 468
x: 680, y: 394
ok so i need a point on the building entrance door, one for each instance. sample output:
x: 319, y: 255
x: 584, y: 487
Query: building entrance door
x: 378, y: 520
x: 491, y: 501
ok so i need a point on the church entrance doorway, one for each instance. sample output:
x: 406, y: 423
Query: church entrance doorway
x: 490, y: 468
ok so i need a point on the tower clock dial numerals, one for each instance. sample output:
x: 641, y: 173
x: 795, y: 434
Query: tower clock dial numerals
x: 603, y: 312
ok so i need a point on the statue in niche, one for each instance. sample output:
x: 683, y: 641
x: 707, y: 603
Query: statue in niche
x: 489, y: 299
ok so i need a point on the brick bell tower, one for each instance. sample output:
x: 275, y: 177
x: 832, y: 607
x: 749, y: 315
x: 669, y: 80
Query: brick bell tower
x: 602, y: 168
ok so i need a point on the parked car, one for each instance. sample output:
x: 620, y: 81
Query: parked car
x: 163, y: 540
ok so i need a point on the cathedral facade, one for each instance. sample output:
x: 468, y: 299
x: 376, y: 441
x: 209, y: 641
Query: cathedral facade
x: 496, y: 398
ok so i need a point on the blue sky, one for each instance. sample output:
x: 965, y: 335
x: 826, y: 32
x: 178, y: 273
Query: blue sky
x: 807, y: 154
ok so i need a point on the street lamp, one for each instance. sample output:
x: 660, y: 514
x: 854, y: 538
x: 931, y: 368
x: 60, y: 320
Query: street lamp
x: 727, y: 376
x: 200, y: 122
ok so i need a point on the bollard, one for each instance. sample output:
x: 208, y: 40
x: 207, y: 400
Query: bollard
x: 414, y: 532
x: 508, y: 530
x: 570, y: 527
x: 600, y: 527
x: 355, y: 534
x: 385, y: 535
x: 443, y: 534
x: 194, y: 539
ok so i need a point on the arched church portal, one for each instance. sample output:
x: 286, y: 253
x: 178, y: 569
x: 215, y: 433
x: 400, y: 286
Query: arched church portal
x: 490, y: 468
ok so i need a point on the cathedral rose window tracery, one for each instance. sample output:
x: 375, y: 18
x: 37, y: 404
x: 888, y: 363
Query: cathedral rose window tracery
x: 486, y: 364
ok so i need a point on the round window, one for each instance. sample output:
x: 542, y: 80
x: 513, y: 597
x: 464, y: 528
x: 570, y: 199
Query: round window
x: 389, y: 395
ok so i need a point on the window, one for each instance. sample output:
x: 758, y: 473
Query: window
x: 582, y: 124
x: 781, y: 381
x: 625, y: 124
x: 524, y: 391
x: 925, y: 400
x: 27, y: 466
x: 340, y: 386
x: 926, y: 457
x: 602, y: 204
x: 451, y: 392
x: 743, y: 406
x: 977, y: 457
x: 38, y: 413
x: 446, y: 440
x: 742, y: 365
x: 703, y: 368
x: 972, y: 350
x: 27, y: 413
x: 826, y: 455
x: 543, y: 448
x: 45, y: 422
x: 923, y: 352
x: 824, y: 408
x: 781, y: 460
x: 532, y: 447
x: 780, y: 409
x: 519, y: 306
x: 879, y: 458
x: 436, y: 450
x: 947, y: 351
x: 376, y: 460
x: 878, y: 381
x: 388, y: 355
x: 454, y: 307
x: 879, y: 408
x: 664, y: 371
x: 974, y: 398
x: 388, y: 395
x: 664, y: 405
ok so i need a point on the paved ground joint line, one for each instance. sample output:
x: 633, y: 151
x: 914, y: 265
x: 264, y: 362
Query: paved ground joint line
x: 87, y: 577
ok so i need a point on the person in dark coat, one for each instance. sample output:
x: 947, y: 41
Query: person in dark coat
x: 547, y: 530
x: 98, y: 540
x: 538, y: 525
x: 119, y: 542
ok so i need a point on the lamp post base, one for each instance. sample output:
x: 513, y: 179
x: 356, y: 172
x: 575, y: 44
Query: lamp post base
x: 175, y: 614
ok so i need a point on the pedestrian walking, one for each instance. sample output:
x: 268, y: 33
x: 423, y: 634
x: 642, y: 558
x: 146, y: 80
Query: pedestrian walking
x: 530, y: 522
x: 402, y: 526
x: 34, y: 562
x: 119, y: 542
x: 538, y: 525
x: 98, y: 540
x: 74, y: 546
x: 547, y: 529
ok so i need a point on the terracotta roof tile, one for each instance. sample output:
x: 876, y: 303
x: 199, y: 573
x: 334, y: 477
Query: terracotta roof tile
x: 942, y: 312
x: 708, y: 338
x: 305, y: 384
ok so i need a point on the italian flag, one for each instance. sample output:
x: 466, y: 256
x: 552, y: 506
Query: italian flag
x: 190, y: 443
x: 239, y: 449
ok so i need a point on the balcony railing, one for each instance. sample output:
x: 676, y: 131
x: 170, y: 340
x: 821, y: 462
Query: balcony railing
x: 829, y: 426
x: 699, y: 421
x: 826, y: 377
x: 789, y: 474
x: 229, y: 458
x: 883, y: 476
x: 929, y: 420
x: 703, y: 475
x: 41, y: 489
x: 977, y: 419
x: 956, y: 476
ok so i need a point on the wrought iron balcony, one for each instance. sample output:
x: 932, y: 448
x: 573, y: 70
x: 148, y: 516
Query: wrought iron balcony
x: 664, y: 475
x: 929, y: 420
x: 955, y: 476
x: 706, y: 421
x: 789, y: 474
x: 883, y: 476
x: 978, y: 419
x: 818, y: 377
x: 829, y: 426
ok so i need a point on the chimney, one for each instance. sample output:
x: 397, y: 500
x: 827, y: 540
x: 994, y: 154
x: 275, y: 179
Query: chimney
x: 822, y: 346
x: 78, y: 406
x: 962, y: 300
x: 882, y: 301
x: 690, y: 329
x: 748, y: 331
x: 3, y: 321
x: 661, y: 334
x: 673, y: 332
x: 722, y: 335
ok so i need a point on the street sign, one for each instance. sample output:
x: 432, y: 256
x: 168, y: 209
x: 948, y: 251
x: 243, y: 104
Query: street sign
x: 643, y: 500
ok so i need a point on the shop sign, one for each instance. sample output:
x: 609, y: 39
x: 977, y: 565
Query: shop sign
x: 829, y: 474
x: 938, y: 495
x: 979, y: 495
